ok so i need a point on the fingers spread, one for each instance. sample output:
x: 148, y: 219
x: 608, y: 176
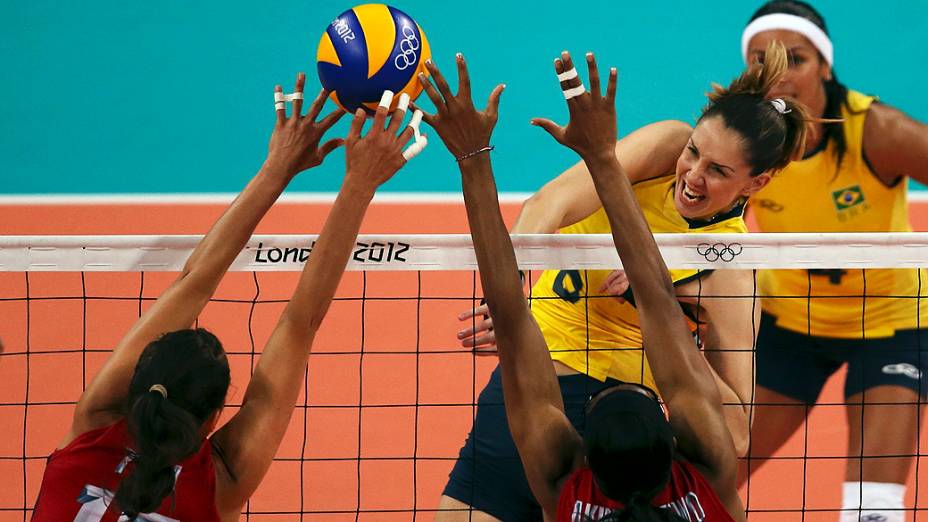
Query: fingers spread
x: 399, y: 114
x: 481, y: 326
x: 611, y: 87
x: 493, y: 103
x: 317, y: 105
x: 486, y: 341
x: 298, y: 101
x: 357, y: 123
x: 440, y: 81
x: 380, y: 116
x: 426, y: 117
x: 555, y: 130
x: 331, y: 119
x: 571, y: 80
x: 431, y: 92
x: 463, y: 78
x: 329, y: 146
x: 594, y: 75
x: 467, y: 314
x: 280, y: 106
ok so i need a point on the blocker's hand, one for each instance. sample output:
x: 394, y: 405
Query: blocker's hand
x: 294, y: 145
x: 591, y: 130
x: 461, y: 127
x: 374, y: 158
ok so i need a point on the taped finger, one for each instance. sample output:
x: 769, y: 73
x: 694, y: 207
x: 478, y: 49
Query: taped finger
x: 574, y: 92
x: 419, y: 142
x: 397, y: 119
x: 569, y: 74
x: 281, y: 99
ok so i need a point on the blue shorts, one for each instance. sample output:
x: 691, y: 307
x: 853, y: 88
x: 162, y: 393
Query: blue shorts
x: 488, y: 474
x: 797, y: 365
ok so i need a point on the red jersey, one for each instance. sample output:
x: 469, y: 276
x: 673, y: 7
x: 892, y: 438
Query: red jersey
x: 688, y: 494
x: 80, y: 481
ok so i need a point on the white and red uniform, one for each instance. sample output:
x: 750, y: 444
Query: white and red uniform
x: 687, y: 493
x: 80, y: 481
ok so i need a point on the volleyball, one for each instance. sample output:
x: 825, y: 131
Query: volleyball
x: 369, y: 49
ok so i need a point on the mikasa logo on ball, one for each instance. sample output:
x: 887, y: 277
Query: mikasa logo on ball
x: 408, y: 45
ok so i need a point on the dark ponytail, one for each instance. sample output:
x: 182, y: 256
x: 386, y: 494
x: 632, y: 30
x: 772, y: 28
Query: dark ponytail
x: 192, y: 368
x: 835, y: 91
x: 639, y: 509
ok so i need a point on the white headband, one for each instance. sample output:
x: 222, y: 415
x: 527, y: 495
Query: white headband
x: 793, y: 23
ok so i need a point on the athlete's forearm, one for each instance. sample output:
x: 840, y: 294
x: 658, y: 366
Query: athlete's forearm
x: 228, y: 236
x: 499, y: 272
x: 528, y: 379
x: 326, y: 264
x: 737, y: 416
x: 641, y: 259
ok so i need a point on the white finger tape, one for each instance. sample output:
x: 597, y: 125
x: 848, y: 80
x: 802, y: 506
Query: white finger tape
x: 403, y: 104
x: 419, y: 142
x: 415, y: 121
x: 386, y: 99
x: 574, y: 92
x: 280, y: 97
x: 567, y: 75
x: 413, y: 150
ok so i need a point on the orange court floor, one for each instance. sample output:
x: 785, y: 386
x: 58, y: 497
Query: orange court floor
x: 390, y: 394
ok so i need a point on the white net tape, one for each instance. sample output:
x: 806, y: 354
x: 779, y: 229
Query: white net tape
x: 455, y: 252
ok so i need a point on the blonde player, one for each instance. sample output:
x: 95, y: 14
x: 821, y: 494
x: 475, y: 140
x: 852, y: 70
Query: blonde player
x: 853, y: 178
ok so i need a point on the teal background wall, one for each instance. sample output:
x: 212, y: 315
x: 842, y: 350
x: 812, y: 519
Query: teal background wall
x: 174, y: 96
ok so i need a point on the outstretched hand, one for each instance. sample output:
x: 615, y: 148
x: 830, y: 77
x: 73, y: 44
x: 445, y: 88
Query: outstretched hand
x: 374, y: 158
x: 591, y: 130
x: 294, y: 145
x: 462, y: 128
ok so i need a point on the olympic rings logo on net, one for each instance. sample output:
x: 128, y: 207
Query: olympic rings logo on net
x: 719, y: 251
x: 408, y: 45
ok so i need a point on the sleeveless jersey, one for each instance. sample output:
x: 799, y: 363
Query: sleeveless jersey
x: 687, y: 493
x: 81, y: 479
x: 814, y: 195
x: 600, y: 336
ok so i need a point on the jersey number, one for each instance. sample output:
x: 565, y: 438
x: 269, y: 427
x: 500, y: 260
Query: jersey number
x: 834, y: 274
x: 568, y: 284
x: 95, y: 501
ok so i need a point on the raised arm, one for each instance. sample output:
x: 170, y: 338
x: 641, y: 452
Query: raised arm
x: 895, y: 145
x: 731, y: 311
x: 250, y: 439
x: 294, y: 147
x: 681, y: 373
x: 646, y: 153
x: 547, y: 443
x: 649, y: 152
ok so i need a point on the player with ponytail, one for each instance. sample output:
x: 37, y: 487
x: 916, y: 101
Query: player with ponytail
x: 142, y: 444
x: 687, y: 180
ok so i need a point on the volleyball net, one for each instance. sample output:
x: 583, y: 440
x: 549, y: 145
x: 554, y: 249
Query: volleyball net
x: 390, y: 394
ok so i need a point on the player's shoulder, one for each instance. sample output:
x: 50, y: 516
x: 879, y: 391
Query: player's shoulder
x: 668, y: 132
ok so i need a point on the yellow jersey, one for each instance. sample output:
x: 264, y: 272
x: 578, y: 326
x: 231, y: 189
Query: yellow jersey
x: 593, y: 333
x: 816, y: 195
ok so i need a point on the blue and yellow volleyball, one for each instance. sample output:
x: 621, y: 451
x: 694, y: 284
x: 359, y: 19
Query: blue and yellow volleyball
x: 369, y: 49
